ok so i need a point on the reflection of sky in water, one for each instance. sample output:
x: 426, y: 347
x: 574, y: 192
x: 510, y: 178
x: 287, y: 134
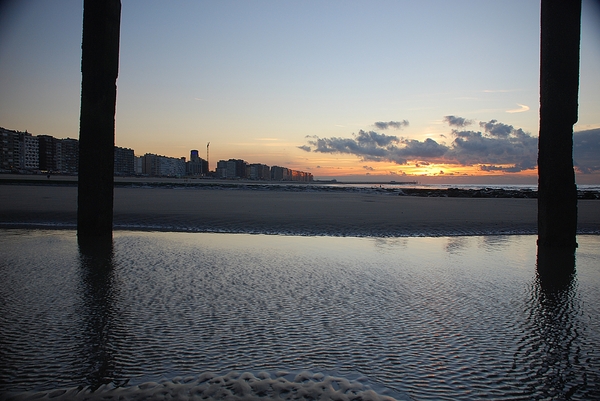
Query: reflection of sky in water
x: 455, y: 317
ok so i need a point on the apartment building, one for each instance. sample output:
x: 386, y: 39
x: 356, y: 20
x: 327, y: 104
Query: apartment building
x: 163, y: 166
x: 30, y: 152
x: 196, y: 166
x: 124, y: 161
x: 10, y: 150
x: 69, y: 155
x: 259, y: 171
x: 231, y: 169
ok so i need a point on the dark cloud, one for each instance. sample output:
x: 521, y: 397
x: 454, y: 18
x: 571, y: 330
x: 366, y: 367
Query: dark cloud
x: 459, y: 122
x: 369, y: 168
x: 379, y: 147
x: 497, y: 129
x: 509, y: 169
x: 500, y: 144
x: 586, y: 151
x: 391, y: 124
x: 368, y: 145
x: 426, y: 149
x: 499, y: 147
x: 305, y: 148
x: 367, y: 138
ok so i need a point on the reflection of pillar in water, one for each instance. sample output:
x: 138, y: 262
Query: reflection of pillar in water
x: 96, y: 259
x: 548, y: 361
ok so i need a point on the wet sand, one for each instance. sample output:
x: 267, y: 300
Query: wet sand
x: 284, y: 212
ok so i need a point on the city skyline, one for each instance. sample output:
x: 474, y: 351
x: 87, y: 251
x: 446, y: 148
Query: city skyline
x: 350, y: 90
x: 25, y: 153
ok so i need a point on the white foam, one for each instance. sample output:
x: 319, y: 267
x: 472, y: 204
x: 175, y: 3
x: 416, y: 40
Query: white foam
x: 234, y: 386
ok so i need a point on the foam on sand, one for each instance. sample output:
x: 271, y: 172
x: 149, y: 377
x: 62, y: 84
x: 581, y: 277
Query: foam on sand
x: 233, y: 386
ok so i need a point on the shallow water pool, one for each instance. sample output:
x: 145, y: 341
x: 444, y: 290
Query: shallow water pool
x: 409, y: 318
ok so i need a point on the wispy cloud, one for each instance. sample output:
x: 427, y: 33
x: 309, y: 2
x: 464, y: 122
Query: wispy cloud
x: 521, y: 109
x: 500, y: 90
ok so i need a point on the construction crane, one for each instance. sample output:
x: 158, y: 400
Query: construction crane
x: 207, y: 159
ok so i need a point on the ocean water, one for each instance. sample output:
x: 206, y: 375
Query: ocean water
x: 215, y: 316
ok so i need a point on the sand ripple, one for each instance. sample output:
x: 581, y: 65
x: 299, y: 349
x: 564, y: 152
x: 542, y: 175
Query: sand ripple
x: 426, y: 318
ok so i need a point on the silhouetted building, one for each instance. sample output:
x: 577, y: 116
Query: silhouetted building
x: 280, y: 173
x: 10, y: 156
x: 259, y: 172
x: 69, y: 156
x: 124, y: 161
x: 231, y: 169
x: 196, y: 166
x: 139, y: 162
x: 221, y: 171
x: 49, y: 159
x: 163, y: 166
x: 236, y: 168
x: 30, y: 152
x: 286, y: 174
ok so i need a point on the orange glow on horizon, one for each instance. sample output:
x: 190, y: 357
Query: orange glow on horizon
x: 414, y: 171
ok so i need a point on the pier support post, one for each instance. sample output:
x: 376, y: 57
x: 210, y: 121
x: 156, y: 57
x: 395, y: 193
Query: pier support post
x: 99, y: 70
x: 559, y: 88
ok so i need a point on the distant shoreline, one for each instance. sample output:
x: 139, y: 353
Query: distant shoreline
x: 391, y: 188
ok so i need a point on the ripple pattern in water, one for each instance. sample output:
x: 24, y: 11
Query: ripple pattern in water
x: 425, y: 318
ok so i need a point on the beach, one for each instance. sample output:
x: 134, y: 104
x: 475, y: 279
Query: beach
x: 285, y: 210
x: 357, y: 293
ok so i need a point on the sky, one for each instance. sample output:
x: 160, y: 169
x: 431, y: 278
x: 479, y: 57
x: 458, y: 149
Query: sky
x: 428, y: 91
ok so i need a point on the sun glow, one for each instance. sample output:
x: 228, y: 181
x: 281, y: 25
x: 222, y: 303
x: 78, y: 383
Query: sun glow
x: 413, y: 171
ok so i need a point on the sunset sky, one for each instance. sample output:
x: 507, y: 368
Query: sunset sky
x: 355, y: 90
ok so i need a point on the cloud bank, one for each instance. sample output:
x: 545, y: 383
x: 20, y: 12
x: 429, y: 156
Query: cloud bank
x: 373, y: 146
x: 586, y: 151
x: 496, y: 147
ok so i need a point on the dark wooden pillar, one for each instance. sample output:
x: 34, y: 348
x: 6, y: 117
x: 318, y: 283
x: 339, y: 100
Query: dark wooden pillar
x: 559, y: 88
x: 99, y: 70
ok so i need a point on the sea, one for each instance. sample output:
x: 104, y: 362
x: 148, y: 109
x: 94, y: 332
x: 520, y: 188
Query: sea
x: 163, y: 315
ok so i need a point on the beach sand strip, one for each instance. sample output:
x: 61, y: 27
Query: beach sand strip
x: 285, y: 212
